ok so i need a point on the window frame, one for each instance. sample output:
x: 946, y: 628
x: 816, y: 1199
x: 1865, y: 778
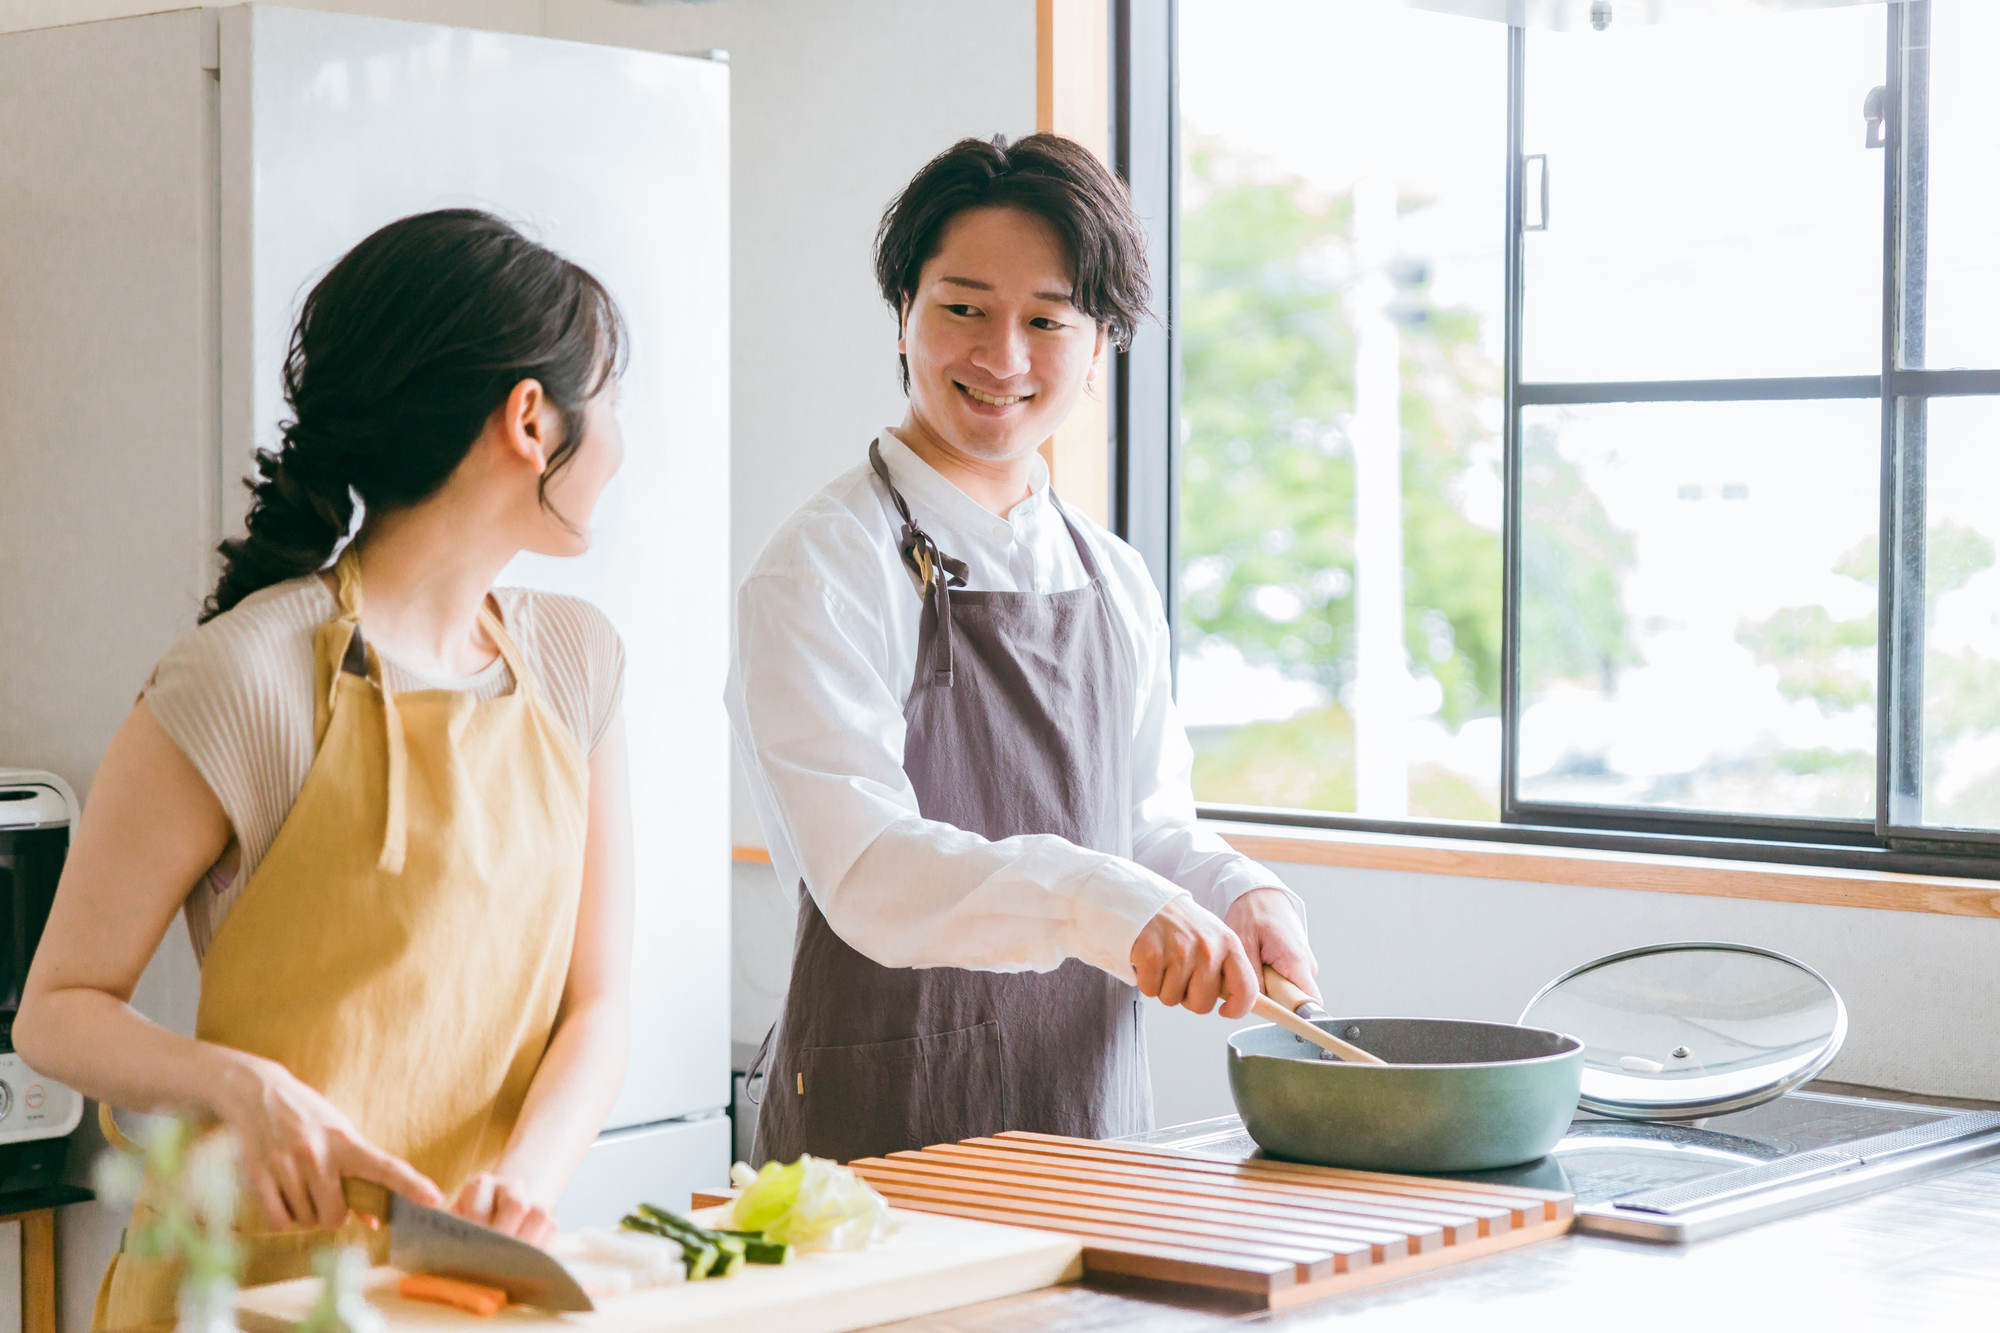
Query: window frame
x: 1145, y: 487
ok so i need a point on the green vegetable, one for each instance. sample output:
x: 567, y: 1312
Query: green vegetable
x: 700, y: 1256
x: 769, y: 1197
x: 811, y: 1204
x: 758, y: 1250
x: 670, y: 1223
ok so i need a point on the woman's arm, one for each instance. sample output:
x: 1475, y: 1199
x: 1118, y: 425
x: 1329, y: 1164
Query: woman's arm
x: 584, y: 1065
x: 151, y: 828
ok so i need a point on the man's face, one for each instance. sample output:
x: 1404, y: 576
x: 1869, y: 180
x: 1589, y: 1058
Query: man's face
x: 997, y: 354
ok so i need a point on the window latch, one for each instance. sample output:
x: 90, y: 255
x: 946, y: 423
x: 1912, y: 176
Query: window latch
x: 1874, y: 110
x: 1535, y: 166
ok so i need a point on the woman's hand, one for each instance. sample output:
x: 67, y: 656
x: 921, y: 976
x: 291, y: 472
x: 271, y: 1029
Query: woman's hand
x: 1186, y: 956
x: 298, y: 1146
x: 503, y: 1203
x: 1269, y: 926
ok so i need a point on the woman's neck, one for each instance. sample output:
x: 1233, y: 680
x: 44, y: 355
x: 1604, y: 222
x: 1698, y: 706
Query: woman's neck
x: 425, y: 575
x: 994, y: 484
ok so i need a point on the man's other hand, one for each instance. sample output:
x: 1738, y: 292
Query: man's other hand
x: 1269, y: 926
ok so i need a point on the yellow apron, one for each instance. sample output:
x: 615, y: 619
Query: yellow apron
x: 404, y: 944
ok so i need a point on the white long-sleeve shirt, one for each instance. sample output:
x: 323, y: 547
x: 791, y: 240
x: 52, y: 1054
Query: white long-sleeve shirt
x: 825, y: 657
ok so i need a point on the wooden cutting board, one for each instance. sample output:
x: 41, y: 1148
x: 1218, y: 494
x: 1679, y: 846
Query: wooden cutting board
x: 1279, y: 1232
x: 933, y: 1263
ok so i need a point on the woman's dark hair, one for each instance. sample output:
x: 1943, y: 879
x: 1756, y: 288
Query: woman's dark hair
x: 401, y: 353
x: 1054, y: 178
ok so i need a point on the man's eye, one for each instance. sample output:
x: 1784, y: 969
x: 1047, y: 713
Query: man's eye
x: 962, y: 310
x: 1044, y: 322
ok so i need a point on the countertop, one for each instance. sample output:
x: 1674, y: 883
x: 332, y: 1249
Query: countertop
x: 1923, y: 1256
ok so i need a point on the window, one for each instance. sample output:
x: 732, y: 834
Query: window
x: 1579, y: 433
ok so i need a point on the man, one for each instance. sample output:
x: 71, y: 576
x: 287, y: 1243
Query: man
x: 952, y: 695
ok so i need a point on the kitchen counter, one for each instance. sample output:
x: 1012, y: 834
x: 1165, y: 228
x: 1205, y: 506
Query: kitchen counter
x: 1922, y: 1256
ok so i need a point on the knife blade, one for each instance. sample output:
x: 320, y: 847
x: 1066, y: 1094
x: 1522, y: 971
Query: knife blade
x: 425, y: 1240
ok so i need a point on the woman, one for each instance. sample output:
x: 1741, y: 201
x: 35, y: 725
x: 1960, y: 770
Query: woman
x: 397, y: 822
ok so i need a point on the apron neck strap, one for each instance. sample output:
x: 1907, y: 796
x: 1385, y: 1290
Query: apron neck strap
x: 937, y: 573
x: 1082, y: 546
x: 356, y: 660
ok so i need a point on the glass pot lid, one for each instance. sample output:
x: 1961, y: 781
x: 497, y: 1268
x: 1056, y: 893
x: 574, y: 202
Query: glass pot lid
x: 1681, y: 1031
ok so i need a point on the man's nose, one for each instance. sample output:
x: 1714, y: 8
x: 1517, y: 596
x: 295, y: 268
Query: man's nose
x: 1004, y: 354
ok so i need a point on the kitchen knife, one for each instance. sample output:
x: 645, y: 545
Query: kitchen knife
x: 425, y: 1240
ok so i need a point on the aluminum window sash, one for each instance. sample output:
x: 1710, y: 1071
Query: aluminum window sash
x: 1145, y: 390
x: 1510, y: 435
x: 1700, y: 391
x: 1905, y: 860
x: 1944, y: 383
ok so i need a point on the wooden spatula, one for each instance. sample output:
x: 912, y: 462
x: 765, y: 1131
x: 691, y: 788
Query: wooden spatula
x: 1280, y: 1004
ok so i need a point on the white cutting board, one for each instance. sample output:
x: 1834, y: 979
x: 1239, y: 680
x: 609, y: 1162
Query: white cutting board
x: 932, y: 1263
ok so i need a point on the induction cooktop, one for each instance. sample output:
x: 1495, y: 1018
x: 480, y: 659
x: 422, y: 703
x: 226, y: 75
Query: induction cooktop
x: 1679, y: 1182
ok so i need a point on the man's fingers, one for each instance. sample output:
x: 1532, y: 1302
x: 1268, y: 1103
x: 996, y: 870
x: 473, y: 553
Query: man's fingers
x: 1239, y: 982
x: 1205, y: 978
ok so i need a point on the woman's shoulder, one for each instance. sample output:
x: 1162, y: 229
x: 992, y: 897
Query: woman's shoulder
x: 573, y: 646
x: 557, y: 623
x: 271, y: 630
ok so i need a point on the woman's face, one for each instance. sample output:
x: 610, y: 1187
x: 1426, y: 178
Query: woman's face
x: 998, y: 356
x: 573, y: 492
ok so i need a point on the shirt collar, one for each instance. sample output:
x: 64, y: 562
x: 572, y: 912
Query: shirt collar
x: 918, y: 480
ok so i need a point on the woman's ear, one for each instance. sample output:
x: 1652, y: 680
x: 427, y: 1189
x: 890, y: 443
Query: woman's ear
x: 528, y: 424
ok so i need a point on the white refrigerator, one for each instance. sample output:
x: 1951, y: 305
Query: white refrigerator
x: 170, y: 186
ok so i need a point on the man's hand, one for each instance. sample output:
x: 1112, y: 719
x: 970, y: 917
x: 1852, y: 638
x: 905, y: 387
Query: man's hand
x: 1269, y: 926
x: 1186, y: 956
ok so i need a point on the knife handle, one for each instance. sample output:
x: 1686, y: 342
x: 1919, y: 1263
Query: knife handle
x: 1284, y: 992
x: 365, y: 1196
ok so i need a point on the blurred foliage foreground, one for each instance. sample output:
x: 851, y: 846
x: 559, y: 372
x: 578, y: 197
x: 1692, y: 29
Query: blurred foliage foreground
x: 1267, y: 540
x: 1267, y: 537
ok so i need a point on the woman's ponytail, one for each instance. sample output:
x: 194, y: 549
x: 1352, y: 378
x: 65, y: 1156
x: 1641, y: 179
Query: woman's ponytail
x: 400, y: 355
x: 293, y: 526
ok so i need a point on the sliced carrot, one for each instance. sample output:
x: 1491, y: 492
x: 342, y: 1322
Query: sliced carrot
x: 468, y: 1296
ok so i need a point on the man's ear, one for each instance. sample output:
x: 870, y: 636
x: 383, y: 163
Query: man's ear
x: 902, y: 328
x: 523, y: 429
x: 1096, y: 357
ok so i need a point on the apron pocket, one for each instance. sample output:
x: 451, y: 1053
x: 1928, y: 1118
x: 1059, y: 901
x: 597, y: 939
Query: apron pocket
x: 889, y: 1096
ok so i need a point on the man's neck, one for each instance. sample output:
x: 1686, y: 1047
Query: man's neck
x: 996, y: 485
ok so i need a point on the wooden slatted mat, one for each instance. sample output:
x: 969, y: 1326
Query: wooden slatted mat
x: 1280, y: 1232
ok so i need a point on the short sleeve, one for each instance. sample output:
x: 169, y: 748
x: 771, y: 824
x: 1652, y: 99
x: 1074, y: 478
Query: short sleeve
x: 577, y: 653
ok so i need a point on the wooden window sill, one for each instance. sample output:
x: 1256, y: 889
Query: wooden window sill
x: 1589, y: 868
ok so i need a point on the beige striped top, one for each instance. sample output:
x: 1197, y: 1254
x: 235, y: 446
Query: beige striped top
x: 237, y: 696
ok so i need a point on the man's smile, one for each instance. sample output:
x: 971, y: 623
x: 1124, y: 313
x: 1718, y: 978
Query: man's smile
x: 995, y: 400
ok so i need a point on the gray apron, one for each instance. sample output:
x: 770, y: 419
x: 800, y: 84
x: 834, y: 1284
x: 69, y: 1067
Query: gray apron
x: 1019, y: 721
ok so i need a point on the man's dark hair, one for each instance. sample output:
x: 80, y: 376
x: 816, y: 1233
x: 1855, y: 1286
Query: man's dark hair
x: 1055, y: 179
